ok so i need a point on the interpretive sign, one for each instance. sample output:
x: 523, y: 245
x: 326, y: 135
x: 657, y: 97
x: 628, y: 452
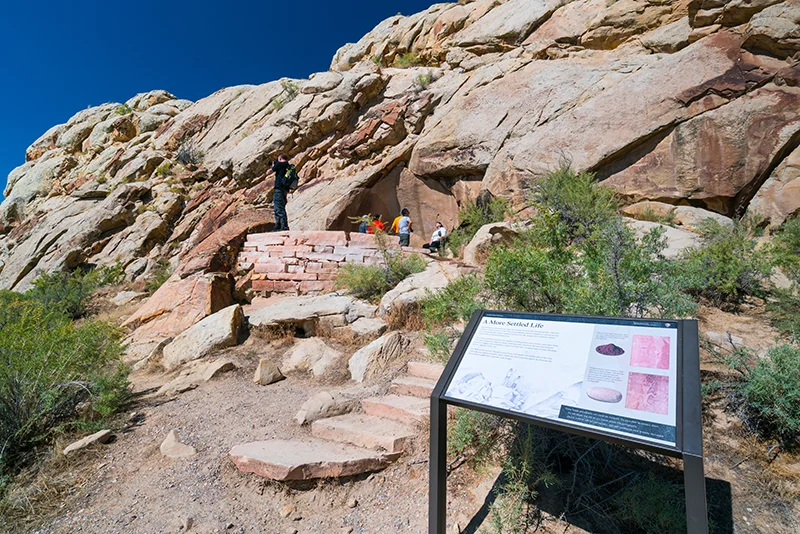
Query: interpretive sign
x: 629, y: 381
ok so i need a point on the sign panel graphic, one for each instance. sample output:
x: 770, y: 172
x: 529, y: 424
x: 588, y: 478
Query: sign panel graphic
x: 617, y: 376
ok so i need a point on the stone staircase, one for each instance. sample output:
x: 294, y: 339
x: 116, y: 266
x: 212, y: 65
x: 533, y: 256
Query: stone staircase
x: 353, y: 443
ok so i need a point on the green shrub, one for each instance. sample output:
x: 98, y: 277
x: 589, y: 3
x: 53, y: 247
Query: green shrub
x: 771, y: 395
x: 363, y: 281
x: 407, y: 60
x: 48, y: 365
x: 471, y: 217
x: 70, y: 291
x: 439, y: 344
x: 726, y: 268
x: 786, y: 249
x: 160, y: 274
x: 783, y: 310
x: 571, y: 206
x: 423, y: 80
x: 290, y: 91
x: 455, y: 302
x: 123, y: 109
x: 654, y: 505
x: 648, y: 214
x: 165, y: 169
x: 476, y: 434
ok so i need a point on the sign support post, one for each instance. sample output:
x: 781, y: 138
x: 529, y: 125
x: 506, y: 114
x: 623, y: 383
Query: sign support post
x: 686, y: 439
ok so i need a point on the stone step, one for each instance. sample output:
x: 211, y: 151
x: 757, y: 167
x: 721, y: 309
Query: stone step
x: 280, y: 459
x: 413, y: 386
x: 408, y: 410
x: 364, y: 431
x: 431, y: 371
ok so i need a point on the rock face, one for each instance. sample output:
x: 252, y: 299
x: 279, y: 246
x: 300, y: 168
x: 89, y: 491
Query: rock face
x: 687, y: 103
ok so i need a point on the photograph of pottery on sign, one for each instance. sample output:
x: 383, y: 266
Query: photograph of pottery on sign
x: 612, y: 375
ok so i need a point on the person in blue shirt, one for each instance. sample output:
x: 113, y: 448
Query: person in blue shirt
x: 404, y: 228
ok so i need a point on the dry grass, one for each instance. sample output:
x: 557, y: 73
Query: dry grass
x: 406, y: 317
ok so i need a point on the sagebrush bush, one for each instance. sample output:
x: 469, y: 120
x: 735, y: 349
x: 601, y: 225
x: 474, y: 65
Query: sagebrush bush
x: 571, y: 205
x: 786, y: 249
x: 471, y: 217
x: 48, y: 365
x: 654, y: 505
x: 189, y: 153
x: 770, y: 393
x: 455, y: 302
x: 70, y: 291
x: 727, y: 268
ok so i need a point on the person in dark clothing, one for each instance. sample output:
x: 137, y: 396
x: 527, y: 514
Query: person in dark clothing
x: 279, y: 167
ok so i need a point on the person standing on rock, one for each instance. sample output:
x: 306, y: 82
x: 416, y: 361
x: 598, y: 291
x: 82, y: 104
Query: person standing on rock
x: 404, y: 228
x: 280, y: 167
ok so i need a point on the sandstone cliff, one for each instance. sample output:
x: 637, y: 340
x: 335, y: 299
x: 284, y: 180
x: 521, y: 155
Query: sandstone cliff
x: 687, y: 102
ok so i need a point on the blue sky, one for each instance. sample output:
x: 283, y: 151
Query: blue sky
x: 59, y: 57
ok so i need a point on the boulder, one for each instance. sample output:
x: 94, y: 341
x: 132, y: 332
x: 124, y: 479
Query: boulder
x: 324, y: 405
x: 267, y: 372
x: 414, y: 288
x: 172, y: 447
x: 377, y: 356
x: 215, y: 332
x: 368, y: 329
x: 311, y: 354
x: 298, y: 310
x: 487, y: 237
x: 98, y: 437
x: 124, y: 297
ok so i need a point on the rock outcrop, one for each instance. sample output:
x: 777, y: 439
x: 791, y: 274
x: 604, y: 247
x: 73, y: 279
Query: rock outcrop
x: 690, y: 103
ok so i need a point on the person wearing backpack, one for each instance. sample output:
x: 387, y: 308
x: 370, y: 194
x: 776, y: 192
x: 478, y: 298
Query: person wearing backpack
x: 286, y: 181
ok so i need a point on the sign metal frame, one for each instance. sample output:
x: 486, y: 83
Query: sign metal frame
x: 689, y: 429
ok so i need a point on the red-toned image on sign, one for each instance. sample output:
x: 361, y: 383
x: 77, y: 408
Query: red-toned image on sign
x: 648, y: 393
x: 650, y: 351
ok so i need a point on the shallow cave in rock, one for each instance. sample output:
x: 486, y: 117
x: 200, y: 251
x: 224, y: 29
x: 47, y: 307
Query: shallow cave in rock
x: 427, y: 200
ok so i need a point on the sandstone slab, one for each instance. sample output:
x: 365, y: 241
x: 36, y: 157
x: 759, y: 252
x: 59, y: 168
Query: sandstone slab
x: 436, y: 275
x: 302, y: 460
x: 364, y: 431
x: 298, y: 309
x: 429, y: 370
x: 412, y: 386
x: 408, y: 410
